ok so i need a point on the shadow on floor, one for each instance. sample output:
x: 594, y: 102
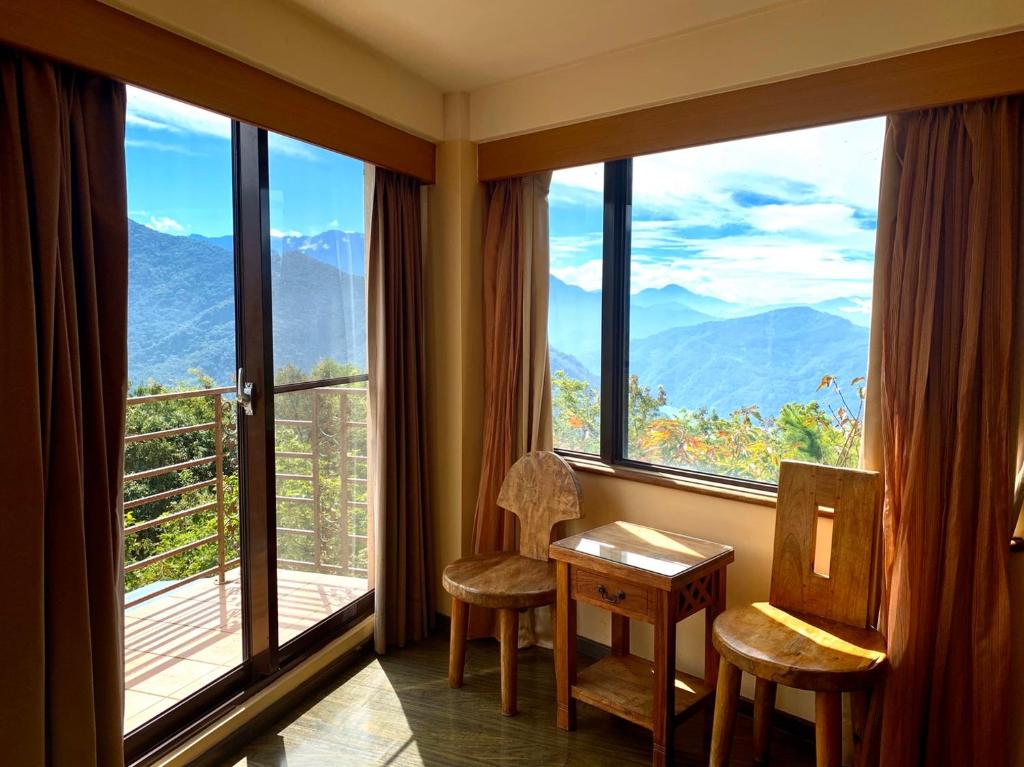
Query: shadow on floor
x: 397, y: 711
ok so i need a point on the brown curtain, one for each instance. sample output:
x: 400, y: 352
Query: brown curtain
x: 517, y: 375
x: 403, y: 573
x: 944, y: 428
x: 63, y: 368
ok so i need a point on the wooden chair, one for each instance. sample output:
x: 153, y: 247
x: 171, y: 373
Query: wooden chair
x: 541, y: 490
x: 814, y: 633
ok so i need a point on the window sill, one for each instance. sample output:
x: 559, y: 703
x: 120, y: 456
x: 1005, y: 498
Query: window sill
x: 665, y: 479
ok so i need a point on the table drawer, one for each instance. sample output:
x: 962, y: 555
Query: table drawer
x: 611, y: 593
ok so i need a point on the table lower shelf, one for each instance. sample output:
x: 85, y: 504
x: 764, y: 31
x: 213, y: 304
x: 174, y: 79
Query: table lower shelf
x: 624, y: 685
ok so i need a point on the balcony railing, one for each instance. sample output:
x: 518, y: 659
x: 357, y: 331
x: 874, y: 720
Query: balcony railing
x: 310, y: 442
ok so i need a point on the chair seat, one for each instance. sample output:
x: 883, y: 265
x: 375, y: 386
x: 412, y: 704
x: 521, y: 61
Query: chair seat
x: 799, y: 651
x: 505, y: 581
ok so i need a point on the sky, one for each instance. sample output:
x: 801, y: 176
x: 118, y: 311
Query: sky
x: 786, y: 218
x: 179, y: 174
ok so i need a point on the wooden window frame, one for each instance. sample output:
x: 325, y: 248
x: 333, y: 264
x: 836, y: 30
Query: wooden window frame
x: 950, y: 74
x: 94, y: 36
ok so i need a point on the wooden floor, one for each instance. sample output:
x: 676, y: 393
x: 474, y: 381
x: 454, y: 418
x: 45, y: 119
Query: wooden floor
x: 398, y: 711
x: 184, y: 639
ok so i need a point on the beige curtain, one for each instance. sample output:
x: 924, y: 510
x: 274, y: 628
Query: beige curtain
x: 944, y: 427
x: 517, y: 375
x: 63, y: 383
x: 403, y: 573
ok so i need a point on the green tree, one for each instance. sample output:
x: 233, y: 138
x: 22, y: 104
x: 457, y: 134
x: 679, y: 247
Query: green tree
x: 743, y: 444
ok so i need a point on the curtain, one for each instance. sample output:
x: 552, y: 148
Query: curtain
x: 517, y: 374
x: 63, y: 357
x: 403, y: 572
x: 944, y: 427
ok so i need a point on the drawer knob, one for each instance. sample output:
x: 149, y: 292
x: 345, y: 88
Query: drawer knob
x: 612, y: 599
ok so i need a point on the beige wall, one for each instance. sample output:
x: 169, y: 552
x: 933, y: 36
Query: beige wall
x: 280, y: 38
x: 788, y: 39
x: 454, y: 341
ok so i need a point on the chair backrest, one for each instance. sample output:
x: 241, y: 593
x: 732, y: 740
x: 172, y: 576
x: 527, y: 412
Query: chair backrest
x: 809, y: 494
x: 542, y: 490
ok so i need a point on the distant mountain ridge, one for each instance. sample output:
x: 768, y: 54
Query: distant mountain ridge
x: 704, y: 351
x: 181, y: 307
x: 715, y: 353
x: 342, y: 250
x: 766, y: 360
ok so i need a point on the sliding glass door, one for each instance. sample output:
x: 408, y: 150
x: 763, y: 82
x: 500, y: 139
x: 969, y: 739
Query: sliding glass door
x: 181, y: 512
x: 318, y: 272
x: 246, y: 535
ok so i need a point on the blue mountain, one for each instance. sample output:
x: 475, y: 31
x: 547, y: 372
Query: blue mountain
x: 766, y: 359
x: 181, y: 308
x: 342, y: 250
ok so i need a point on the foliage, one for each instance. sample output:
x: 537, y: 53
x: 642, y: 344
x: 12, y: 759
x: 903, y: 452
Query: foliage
x: 743, y: 444
x: 339, y: 451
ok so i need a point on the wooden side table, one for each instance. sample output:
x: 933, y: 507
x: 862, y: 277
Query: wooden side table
x: 638, y: 573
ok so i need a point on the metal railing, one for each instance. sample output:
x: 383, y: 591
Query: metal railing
x: 222, y: 427
x: 346, y: 461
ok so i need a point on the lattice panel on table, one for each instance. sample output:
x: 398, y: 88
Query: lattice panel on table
x: 696, y: 595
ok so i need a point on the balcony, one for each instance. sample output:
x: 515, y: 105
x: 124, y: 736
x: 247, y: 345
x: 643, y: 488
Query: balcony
x: 183, y: 592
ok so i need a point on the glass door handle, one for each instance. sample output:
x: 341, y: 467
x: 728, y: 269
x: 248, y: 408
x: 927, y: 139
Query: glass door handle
x: 243, y: 392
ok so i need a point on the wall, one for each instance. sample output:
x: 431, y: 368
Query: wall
x: 282, y: 39
x: 786, y: 40
x: 454, y: 341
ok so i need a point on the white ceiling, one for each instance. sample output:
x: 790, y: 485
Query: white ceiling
x: 460, y: 45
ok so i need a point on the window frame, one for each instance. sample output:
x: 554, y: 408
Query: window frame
x: 263, y: 657
x: 614, y: 390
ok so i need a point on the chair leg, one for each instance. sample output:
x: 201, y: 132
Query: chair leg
x: 764, y: 707
x: 508, y: 635
x: 726, y: 699
x: 457, y: 644
x: 859, y: 701
x: 828, y: 728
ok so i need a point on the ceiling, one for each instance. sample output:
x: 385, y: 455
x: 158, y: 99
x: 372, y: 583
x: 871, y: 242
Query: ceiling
x: 460, y: 45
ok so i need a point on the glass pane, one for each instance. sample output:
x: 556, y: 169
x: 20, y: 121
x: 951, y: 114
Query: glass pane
x: 750, y: 285
x: 576, y: 205
x: 318, y: 259
x: 182, y: 591
x: 322, y: 532
x: 318, y: 267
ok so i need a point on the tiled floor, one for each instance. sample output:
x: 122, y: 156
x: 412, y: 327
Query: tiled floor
x: 397, y: 710
x: 180, y: 641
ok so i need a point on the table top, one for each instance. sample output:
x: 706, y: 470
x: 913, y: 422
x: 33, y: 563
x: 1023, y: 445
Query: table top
x: 657, y: 552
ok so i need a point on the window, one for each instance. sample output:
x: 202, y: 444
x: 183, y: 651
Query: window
x: 576, y: 204
x: 740, y: 307
x: 319, y: 314
x: 246, y: 534
x: 181, y: 511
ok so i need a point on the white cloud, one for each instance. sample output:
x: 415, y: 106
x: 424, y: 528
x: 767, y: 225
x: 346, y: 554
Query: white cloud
x: 283, y: 233
x: 161, y: 146
x: 775, y: 219
x: 155, y: 112
x: 165, y: 224
x: 590, y: 177
x: 586, y: 275
x: 291, y: 147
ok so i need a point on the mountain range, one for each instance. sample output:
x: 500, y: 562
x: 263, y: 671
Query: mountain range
x: 181, y: 305
x: 704, y: 351
x: 708, y: 352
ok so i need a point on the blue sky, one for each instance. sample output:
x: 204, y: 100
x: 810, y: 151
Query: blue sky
x: 787, y: 218
x: 179, y: 174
